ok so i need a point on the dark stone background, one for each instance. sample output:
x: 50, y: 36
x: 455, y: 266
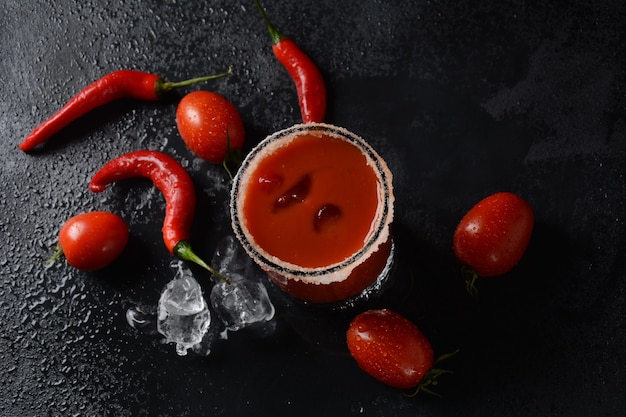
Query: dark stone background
x: 462, y: 99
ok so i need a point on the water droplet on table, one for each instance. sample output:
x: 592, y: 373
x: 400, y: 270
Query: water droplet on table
x: 229, y: 256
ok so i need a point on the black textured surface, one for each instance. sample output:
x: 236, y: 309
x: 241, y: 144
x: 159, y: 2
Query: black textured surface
x: 462, y: 99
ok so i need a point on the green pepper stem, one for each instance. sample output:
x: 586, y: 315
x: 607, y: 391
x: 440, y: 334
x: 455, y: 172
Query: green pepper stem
x: 274, y: 33
x: 471, y: 277
x: 183, y: 251
x: 165, y: 86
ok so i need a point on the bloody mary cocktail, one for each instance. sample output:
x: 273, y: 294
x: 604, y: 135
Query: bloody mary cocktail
x: 313, y: 206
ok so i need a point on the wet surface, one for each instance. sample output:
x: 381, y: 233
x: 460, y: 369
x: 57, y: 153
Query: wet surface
x: 462, y: 100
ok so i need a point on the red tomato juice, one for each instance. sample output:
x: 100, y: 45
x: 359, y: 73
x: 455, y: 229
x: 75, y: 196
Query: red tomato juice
x: 339, y: 177
x: 313, y: 208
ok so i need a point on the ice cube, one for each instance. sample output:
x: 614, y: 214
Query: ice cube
x: 241, y: 303
x: 183, y: 315
x: 203, y: 348
x: 183, y: 296
x: 230, y: 257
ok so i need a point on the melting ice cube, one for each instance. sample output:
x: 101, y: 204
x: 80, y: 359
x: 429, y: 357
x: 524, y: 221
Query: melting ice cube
x: 230, y: 257
x: 241, y: 303
x: 183, y: 316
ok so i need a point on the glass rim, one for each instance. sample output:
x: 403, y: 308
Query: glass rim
x: 384, y: 216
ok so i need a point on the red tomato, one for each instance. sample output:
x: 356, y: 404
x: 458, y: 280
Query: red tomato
x: 492, y: 237
x: 210, y: 125
x: 390, y: 348
x: 93, y: 240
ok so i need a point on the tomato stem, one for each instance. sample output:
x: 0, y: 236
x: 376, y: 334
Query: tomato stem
x: 232, y: 155
x: 445, y: 356
x: 56, y: 255
x: 430, y: 379
x: 162, y: 87
x: 183, y: 251
x: 470, y: 280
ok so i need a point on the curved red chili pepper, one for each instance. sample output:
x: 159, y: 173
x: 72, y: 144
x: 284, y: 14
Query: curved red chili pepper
x: 113, y: 86
x: 305, y: 74
x: 177, y: 188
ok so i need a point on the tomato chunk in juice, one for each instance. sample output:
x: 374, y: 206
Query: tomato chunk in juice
x: 312, y: 202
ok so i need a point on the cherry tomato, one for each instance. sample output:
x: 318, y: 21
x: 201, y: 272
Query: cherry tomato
x: 390, y: 348
x: 492, y: 237
x: 93, y: 240
x: 210, y: 125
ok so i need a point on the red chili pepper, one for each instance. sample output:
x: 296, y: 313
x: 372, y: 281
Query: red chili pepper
x: 113, y: 86
x: 305, y: 74
x: 177, y: 188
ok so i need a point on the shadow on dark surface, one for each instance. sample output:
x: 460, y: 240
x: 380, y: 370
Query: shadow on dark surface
x: 84, y: 128
x: 462, y: 99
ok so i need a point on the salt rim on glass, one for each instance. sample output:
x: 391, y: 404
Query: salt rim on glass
x: 361, y: 272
